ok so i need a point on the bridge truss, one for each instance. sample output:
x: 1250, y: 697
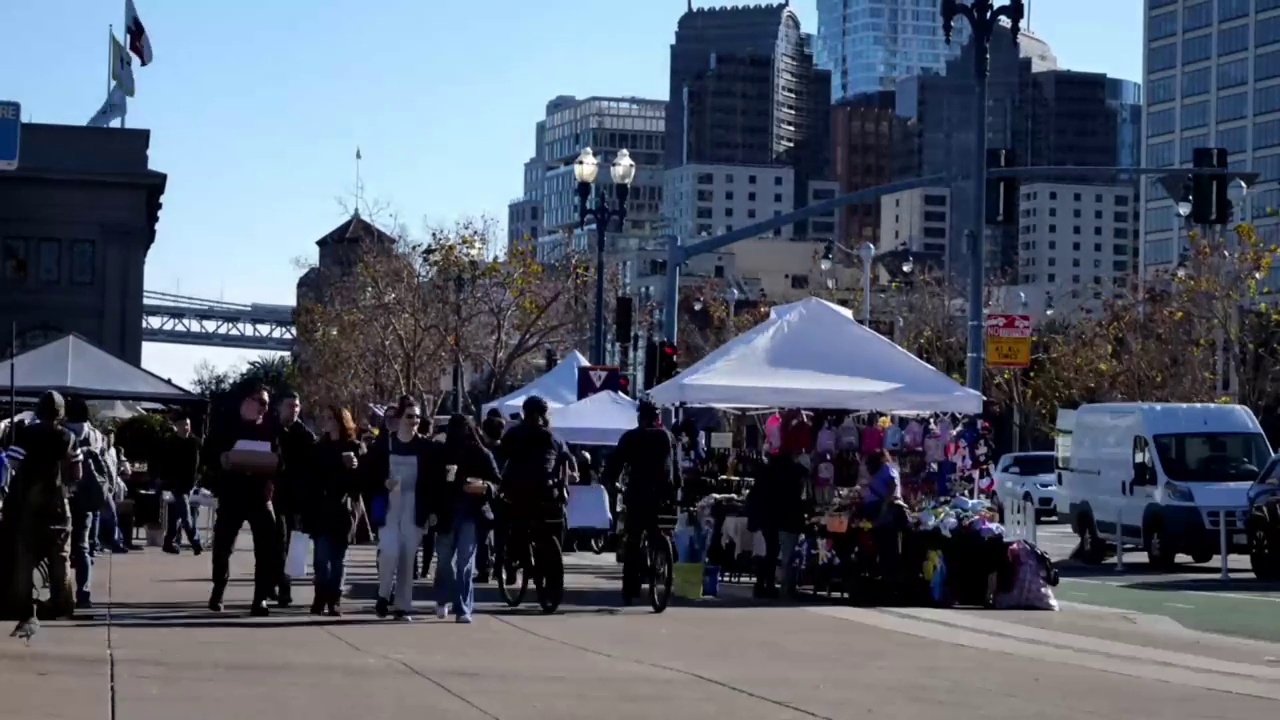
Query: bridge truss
x: 177, y: 319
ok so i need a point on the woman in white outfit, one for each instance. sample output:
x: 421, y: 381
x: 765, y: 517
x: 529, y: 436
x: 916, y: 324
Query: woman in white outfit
x: 400, y: 462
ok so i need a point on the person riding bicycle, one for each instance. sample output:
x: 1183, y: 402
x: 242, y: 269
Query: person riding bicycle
x: 648, y: 452
x: 533, y: 479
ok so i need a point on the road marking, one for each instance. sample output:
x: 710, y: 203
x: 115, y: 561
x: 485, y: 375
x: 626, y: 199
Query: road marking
x: 1180, y: 605
x: 1207, y: 593
x: 1126, y: 660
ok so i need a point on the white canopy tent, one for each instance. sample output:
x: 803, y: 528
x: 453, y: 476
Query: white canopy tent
x: 599, y: 419
x: 559, y: 387
x: 813, y: 354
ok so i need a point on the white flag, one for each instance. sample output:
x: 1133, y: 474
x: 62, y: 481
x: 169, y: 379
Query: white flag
x: 121, y: 67
x: 113, y: 109
x: 139, y: 40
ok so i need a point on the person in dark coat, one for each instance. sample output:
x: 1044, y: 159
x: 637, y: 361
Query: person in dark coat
x: 297, y: 446
x: 329, y: 506
x: 178, y: 471
x: 534, y: 489
x: 464, y: 482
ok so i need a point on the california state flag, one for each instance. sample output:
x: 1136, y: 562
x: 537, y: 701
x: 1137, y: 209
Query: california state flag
x: 139, y: 41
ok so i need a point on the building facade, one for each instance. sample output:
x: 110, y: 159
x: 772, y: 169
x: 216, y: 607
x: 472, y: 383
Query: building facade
x: 1212, y: 78
x: 868, y: 45
x: 863, y: 131
x: 744, y: 90
x: 918, y: 221
x: 708, y: 200
x: 77, y: 219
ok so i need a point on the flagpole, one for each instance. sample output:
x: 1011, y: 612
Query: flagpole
x: 111, y: 38
x: 126, y: 30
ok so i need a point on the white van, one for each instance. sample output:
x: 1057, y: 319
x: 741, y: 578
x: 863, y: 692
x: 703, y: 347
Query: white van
x: 1169, y: 475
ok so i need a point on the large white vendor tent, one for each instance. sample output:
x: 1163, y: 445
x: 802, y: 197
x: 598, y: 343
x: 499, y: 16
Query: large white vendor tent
x: 813, y: 354
x: 558, y: 387
x: 598, y: 419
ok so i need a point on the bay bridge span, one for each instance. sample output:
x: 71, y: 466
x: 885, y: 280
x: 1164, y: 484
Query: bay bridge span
x: 183, y: 320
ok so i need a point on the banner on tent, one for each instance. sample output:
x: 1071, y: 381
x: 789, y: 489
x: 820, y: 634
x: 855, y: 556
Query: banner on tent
x: 598, y: 378
x: 1008, y: 341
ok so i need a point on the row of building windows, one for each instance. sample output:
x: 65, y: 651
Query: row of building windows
x: 1117, y: 233
x: 709, y: 179
x: 1118, y: 249
x: 49, y: 261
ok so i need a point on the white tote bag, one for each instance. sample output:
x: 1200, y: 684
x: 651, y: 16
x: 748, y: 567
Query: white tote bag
x: 295, y: 565
x: 589, y: 507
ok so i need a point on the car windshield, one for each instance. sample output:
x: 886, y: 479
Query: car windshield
x: 1212, y: 457
x: 1033, y: 464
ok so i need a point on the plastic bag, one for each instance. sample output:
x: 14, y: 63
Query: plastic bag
x: 295, y: 565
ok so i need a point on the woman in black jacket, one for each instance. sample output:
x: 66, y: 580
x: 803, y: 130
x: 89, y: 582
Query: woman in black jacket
x: 463, y: 484
x: 329, y: 506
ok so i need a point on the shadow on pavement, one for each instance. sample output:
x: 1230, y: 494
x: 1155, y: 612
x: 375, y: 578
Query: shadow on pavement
x: 1213, y: 584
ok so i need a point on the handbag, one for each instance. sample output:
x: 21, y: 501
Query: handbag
x: 295, y: 564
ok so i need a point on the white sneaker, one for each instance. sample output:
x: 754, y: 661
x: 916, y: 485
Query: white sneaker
x: 442, y: 610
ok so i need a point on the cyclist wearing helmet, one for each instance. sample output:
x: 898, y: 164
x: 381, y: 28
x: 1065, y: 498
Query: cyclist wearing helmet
x: 648, y: 452
x: 533, y: 480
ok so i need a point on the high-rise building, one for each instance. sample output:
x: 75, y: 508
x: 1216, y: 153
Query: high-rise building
x: 868, y: 45
x: 744, y: 90
x: 549, y: 204
x: 863, y: 129
x: 1212, y: 77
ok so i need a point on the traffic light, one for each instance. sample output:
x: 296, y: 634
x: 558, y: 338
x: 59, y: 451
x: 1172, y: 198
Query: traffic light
x: 668, y: 358
x: 1209, y: 202
x: 1002, y: 193
x: 622, y: 320
x: 550, y: 358
x: 624, y: 385
x: 650, y: 364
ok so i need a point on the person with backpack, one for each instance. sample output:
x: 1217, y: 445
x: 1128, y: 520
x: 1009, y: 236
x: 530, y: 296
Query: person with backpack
x: 89, y: 498
x: 36, y: 523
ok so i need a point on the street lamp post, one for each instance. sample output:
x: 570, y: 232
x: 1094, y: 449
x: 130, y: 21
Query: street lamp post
x: 459, y: 287
x: 866, y: 252
x: 622, y: 172
x: 983, y: 16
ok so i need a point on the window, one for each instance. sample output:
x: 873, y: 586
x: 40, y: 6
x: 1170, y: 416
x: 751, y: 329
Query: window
x: 1053, y: 261
x: 1197, y: 16
x: 935, y: 233
x: 1162, y: 57
x: 1097, y: 214
x: 1266, y: 31
x: 1197, y: 82
x: 1235, y: 140
x: 751, y: 197
x: 1120, y: 216
x: 1119, y: 250
x: 1163, y: 26
x: 1075, y: 246
x: 1097, y: 231
x: 1052, y: 229
x: 83, y: 264
x: 1160, y: 154
x: 706, y: 179
x: 1267, y: 167
x: 1266, y: 133
x: 728, y: 212
x: 799, y: 282
x: 1078, y: 198
x: 1053, y: 277
x: 1076, y: 212
x: 1162, y: 90
x: 1233, y: 74
x: 704, y: 229
x: 1075, y: 230
x: 1195, y: 115
x: 1097, y: 247
x: 16, y: 259
x: 751, y: 212
x: 1053, y: 194
x: 1212, y: 457
x: 1197, y: 48
x: 823, y: 227
x: 1266, y: 66
x: 935, y: 200
x: 935, y: 216
x: 704, y: 213
x: 1053, y: 212
x: 50, y: 260
x: 728, y: 178
x: 1122, y: 201
x: 777, y: 197
x: 824, y: 194
x: 1053, y: 244
x: 1233, y: 107
x: 728, y: 195
x: 1232, y: 9
x: 1266, y: 99
x: 1190, y: 143
x: 1267, y: 5
x: 1233, y: 39
x: 777, y: 181
x: 751, y: 179
x: 1119, y: 266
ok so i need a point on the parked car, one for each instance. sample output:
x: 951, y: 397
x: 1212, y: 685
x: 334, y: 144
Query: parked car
x: 1264, y: 522
x: 1029, y: 477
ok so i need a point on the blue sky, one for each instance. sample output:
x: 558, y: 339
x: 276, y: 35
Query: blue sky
x: 256, y: 109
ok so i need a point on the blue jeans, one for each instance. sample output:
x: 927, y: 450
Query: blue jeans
x: 81, y: 554
x: 108, y: 532
x: 456, y: 565
x: 329, y: 561
x: 181, y: 518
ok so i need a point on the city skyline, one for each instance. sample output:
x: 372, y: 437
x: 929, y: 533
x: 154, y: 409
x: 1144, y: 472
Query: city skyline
x: 260, y: 146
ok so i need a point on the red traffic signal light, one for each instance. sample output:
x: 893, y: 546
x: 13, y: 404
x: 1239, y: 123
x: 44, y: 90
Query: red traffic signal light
x: 667, y: 361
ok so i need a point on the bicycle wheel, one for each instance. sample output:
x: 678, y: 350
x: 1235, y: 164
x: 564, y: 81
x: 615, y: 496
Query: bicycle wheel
x: 549, y: 574
x: 661, y: 573
x: 514, y: 594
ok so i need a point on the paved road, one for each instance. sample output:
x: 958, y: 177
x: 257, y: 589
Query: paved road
x: 151, y: 652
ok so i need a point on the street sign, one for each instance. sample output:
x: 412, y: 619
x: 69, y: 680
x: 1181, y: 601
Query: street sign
x: 598, y: 378
x: 1008, y: 341
x: 10, y: 132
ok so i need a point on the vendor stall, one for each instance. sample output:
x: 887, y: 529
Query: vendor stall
x: 599, y: 419
x: 559, y: 387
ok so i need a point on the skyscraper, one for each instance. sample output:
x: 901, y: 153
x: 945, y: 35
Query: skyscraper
x: 1212, y: 79
x: 869, y: 44
x: 744, y: 90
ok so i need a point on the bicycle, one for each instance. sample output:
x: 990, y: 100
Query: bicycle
x: 540, y: 559
x: 658, y: 551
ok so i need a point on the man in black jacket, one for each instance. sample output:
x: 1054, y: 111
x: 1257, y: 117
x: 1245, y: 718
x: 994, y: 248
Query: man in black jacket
x: 244, y: 495
x: 648, y: 452
x: 178, y: 472
x: 297, y: 443
x: 533, y: 483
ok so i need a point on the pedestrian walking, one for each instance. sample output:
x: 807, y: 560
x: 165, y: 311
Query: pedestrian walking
x: 463, y: 484
x: 330, y: 499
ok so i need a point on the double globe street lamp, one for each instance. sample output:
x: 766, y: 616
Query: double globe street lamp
x: 623, y: 172
x: 867, y: 252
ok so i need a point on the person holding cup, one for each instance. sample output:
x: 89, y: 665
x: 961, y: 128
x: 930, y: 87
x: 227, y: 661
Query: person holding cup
x: 329, y: 506
x: 464, y: 483
x: 401, y: 466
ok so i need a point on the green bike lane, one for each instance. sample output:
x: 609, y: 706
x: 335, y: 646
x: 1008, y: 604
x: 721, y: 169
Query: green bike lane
x: 1240, y: 608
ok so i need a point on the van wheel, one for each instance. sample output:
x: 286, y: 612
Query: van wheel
x: 1159, y: 555
x: 1092, y: 550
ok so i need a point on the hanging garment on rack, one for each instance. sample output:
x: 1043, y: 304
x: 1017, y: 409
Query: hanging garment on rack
x: 913, y: 436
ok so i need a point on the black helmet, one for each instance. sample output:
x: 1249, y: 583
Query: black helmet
x: 535, y: 407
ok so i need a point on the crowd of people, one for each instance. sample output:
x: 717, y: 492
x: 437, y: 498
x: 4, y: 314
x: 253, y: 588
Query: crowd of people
x: 461, y: 494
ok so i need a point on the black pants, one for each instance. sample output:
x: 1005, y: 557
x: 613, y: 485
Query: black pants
x: 767, y: 567
x: 267, y: 558
x: 286, y: 522
x: 634, y: 563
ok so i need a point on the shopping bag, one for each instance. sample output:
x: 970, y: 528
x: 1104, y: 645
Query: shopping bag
x: 686, y: 581
x: 295, y: 565
x: 589, y: 507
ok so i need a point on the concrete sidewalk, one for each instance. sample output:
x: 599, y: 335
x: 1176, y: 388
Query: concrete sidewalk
x: 152, y: 651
